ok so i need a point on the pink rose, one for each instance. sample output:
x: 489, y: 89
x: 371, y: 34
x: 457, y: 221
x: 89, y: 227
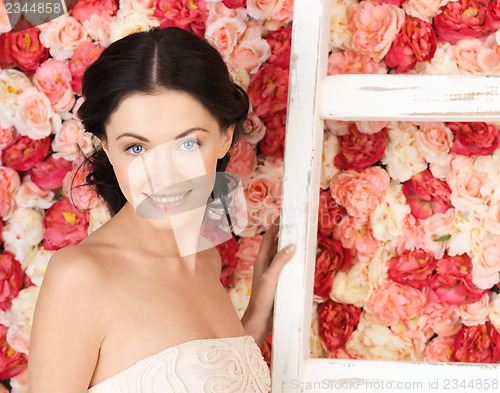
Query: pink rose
x: 452, y: 281
x: 84, y: 9
x: 225, y: 33
x: 34, y: 114
x: 423, y: 9
x: 268, y: 90
x: 461, y: 19
x: 356, y: 235
x: 248, y: 248
x: 351, y: 62
x: 23, y: 153
x: 280, y: 41
x: 263, y: 9
x: 486, y: 261
x: 427, y: 195
x: 493, y: 15
x: 434, y: 139
x: 49, y: 174
x: 477, y: 312
x: 273, y: 142
x: 11, y: 279
x: 375, y: 27
x: 437, y: 317
x: 243, y: 159
x: 62, y: 36
x: 85, y: 54
x: 439, y: 349
x: 330, y: 258
x: 53, y: 78
x: 12, y: 363
x: 31, y: 196
x: 477, y: 344
x: 393, y: 302
x: 330, y: 213
x: 234, y: 3
x: 436, y: 230
x: 337, y: 322
x: 64, y: 225
x: 76, y: 189
x: 476, y: 138
x: 359, y: 192
x: 252, y: 50
x: 413, y: 268
x: 23, y: 49
x: 68, y: 138
x: 465, y: 53
x: 359, y: 150
x: 227, y: 251
x: 9, y: 184
x: 411, y: 235
x: 6, y: 136
x: 416, y: 42
x: 187, y: 14
x: 492, y: 220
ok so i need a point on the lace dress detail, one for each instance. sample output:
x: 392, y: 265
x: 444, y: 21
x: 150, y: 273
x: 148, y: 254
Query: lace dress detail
x: 220, y: 365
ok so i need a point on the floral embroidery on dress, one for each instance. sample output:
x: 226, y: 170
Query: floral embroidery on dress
x: 239, y: 374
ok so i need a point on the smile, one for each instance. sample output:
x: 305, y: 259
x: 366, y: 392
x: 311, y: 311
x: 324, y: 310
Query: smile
x: 171, y: 202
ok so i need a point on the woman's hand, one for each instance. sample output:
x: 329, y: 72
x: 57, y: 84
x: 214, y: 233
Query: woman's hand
x: 258, y: 317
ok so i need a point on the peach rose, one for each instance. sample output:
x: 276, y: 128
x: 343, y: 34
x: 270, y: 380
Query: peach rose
x: 485, y: 262
x: 146, y: 7
x: 32, y: 196
x: 53, y: 78
x: 357, y: 235
x: 259, y: 129
x: 67, y: 138
x: 411, y: 235
x: 9, y: 184
x: 98, y: 29
x: 393, y: 302
x: 82, y: 196
x: 251, y: 51
x: 360, y: 192
x: 492, y: 219
x: 4, y: 19
x: 436, y: 231
x: 34, y: 114
x: 12, y: 84
x: 494, y: 314
x: 225, y: 33
x: 217, y: 9
x: 465, y: 54
x: 488, y: 58
x: 475, y: 313
x: 439, y: 349
x: 260, y: 193
x: 85, y: 54
x: 248, y: 248
x: 243, y: 159
x: 351, y: 62
x: 340, y: 34
x: 62, y: 35
x: 434, y: 140
x: 437, y: 317
x: 263, y: 9
x: 424, y: 9
x: 375, y: 27
x: 371, y: 127
x: 6, y: 136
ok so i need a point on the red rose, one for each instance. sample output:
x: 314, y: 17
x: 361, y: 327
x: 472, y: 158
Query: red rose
x: 49, y: 174
x: 413, y: 268
x: 189, y: 15
x: 268, y: 90
x: 11, y: 279
x: 416, y: 42
x: 280, y: 41
x: 227, y: 251
x: 274, y: 139
x: 330, y: 213
x: 234, y: 3
x: 461, y: 19
x: 337, y: 322
x: 330, y: 258
x: 452, y: 281
x: 360, y: 150
x: 493, y: 15
x: 84, y: 9
x: 23, y: 49
x: 474, y: 138
x: 427, y: 195
x: 23, y: 153
x: 64, y: 225
x: 477, y: 344
x: 85, y: 54
x: 12, y: 362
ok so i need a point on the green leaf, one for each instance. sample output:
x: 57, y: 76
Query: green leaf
x: 442, y: 238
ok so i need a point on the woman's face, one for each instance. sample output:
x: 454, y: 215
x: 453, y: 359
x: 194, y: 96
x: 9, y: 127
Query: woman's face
x: 164, y: 150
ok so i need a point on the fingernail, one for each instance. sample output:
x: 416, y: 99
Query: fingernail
x: 289, y: 248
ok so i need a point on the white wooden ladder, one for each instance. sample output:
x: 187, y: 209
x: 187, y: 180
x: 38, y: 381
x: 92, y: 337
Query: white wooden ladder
x: 313, y: 97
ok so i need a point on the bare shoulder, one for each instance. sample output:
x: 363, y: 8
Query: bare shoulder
x: 68, y: 324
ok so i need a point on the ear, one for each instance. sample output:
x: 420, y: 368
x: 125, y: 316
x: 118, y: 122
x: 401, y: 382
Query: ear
x: 105, y: 148
x: 226, y: 140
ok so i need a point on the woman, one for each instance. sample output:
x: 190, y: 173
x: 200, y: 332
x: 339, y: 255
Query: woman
x: 138, y: 306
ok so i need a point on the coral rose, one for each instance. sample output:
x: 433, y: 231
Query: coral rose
x: 475, y: 138
x: 337, y: 322
x: 413, y: 268
x: 477, y: 344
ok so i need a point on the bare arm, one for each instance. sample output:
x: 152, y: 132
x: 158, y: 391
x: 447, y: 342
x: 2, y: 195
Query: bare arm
x: 67, y: 325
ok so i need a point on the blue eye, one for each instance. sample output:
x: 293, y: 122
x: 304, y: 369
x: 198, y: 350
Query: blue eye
x: 135, y: 151
x: 192, y: 143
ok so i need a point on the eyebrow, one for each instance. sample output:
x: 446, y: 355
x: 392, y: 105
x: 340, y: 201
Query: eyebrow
x: 141, y: 138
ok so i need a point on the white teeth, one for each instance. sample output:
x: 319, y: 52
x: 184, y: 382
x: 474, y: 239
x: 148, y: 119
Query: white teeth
x: 168, y: 200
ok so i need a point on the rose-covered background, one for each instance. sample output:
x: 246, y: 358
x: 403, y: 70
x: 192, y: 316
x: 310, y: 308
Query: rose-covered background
x: 409, y: 219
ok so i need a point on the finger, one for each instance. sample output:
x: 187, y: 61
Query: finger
x: 279, y: 260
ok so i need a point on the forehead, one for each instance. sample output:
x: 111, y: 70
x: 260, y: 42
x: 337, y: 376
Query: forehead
x: 168, y: 111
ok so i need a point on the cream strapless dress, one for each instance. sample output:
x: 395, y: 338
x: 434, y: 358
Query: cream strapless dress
x: 214, y: 365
